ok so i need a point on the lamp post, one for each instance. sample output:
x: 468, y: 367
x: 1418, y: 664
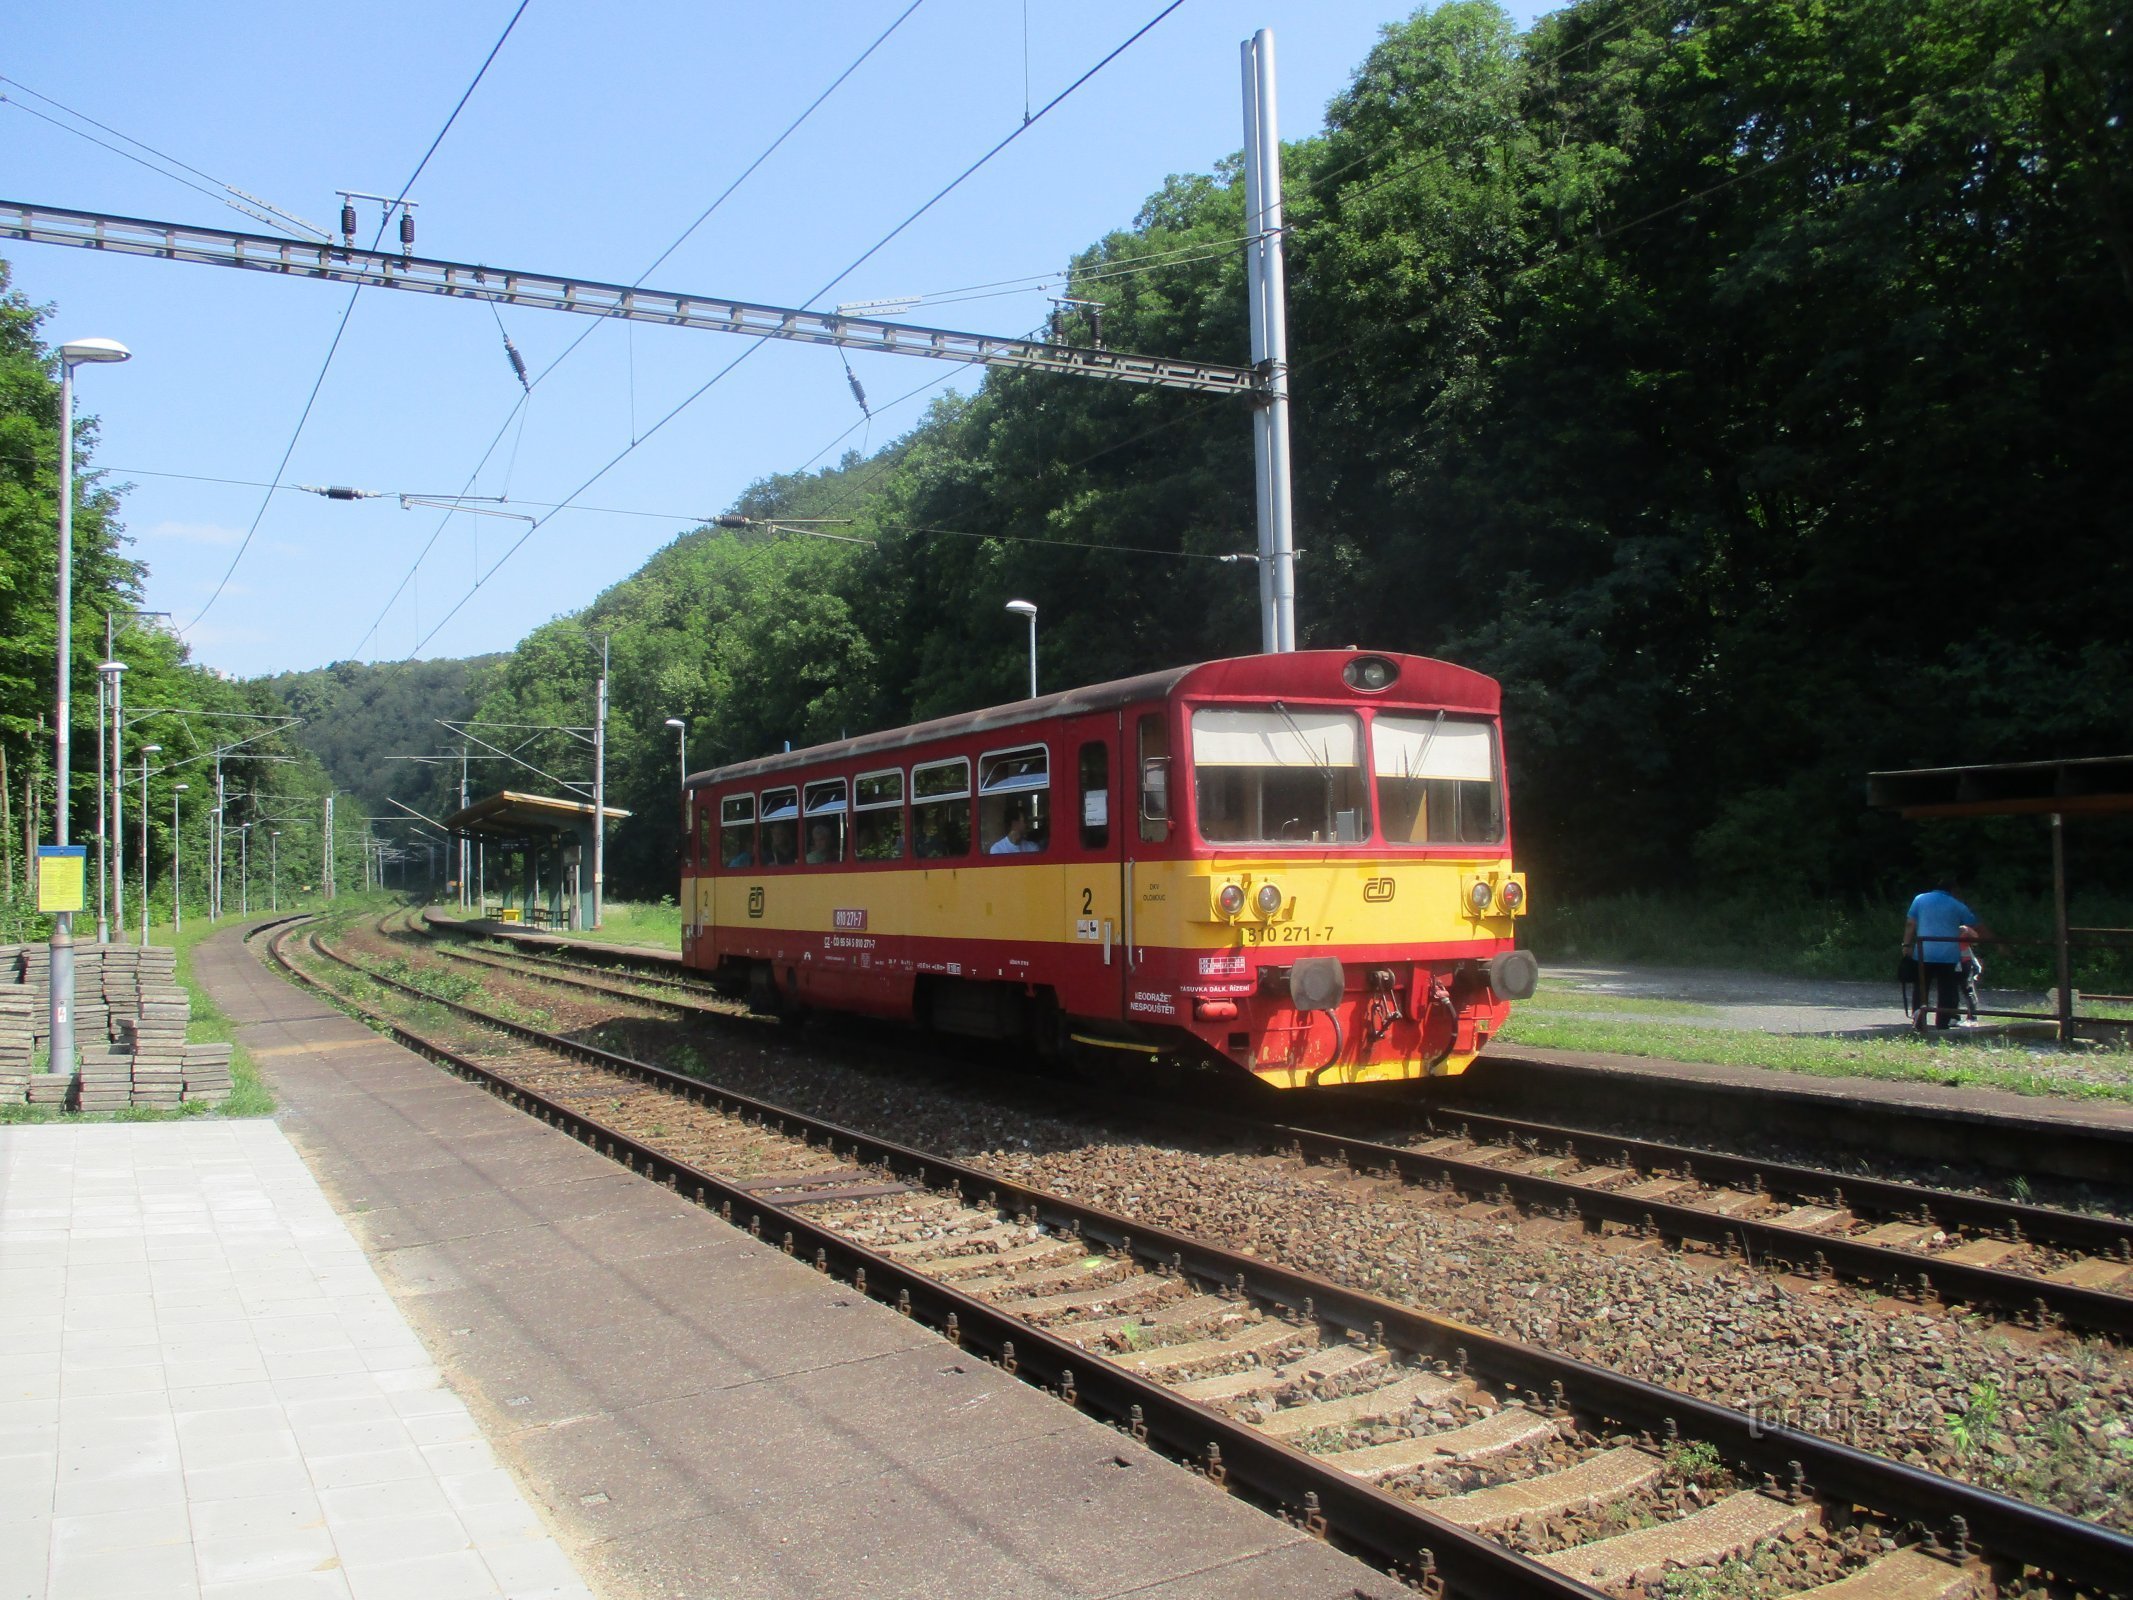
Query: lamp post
x: 274, y: 868
x: 1025, y: 608
x: 147, y: 750
x: 79, y: 353
x: 177, y: 881
x: 682, y: 728
x: 108, y: 841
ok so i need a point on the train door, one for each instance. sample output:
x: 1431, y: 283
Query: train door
x: 1148, y: 806
x: 1087, y: 825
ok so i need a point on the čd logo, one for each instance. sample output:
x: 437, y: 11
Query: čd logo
x: 755, y: 901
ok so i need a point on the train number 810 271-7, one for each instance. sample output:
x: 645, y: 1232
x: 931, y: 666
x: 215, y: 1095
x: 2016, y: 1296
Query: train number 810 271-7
x: 1288, y: 934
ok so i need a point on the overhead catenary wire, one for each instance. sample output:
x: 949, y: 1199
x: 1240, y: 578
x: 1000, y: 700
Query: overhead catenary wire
x: 858, y: 261
x: 224, y: 192
x: 517, y: 410
x: 347, y: 311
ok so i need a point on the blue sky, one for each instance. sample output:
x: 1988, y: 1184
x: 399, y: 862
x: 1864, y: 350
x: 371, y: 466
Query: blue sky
x: 598, y: 134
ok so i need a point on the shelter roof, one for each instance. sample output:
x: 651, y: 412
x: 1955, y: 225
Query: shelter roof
x: 510, y: 812
x: 2093, y: 785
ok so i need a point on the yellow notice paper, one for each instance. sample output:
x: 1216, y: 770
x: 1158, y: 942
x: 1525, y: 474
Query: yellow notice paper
x: 62, y: 872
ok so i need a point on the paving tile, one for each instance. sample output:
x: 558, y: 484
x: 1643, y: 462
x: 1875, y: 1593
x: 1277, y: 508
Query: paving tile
x: 292, y: 1510
x: 368, y: 1466
x: 401, y: 1497
x: 382, y: 1541
x: 330, y: 1585
x: 263, y: 1553
x: 461, y: 1575
x: 161, y: 1570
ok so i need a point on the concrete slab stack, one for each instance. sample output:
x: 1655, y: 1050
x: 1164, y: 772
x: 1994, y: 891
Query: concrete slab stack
x: 130, y: 1023
x: 106, y: 1082
x: 18, y: 1032
x: 207, y: 1072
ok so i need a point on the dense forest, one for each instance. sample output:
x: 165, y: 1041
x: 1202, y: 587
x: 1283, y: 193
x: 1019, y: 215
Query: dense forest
x: 1744, y: 385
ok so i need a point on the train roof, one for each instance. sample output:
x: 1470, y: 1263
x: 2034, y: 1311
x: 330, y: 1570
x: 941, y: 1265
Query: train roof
x: 1306, y: 673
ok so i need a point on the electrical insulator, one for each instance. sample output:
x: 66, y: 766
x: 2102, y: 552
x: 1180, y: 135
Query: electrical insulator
x: 858, y: 393
x: 731, y: 520
x: 1096, y: 326
x: 407, y: 232
x: 518, y: 364
x: 348, y: 220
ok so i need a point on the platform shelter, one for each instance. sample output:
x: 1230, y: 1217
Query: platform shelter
x: 2089, y: 786
x: 549, y: 884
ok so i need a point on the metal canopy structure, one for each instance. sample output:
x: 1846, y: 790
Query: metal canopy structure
x: 377, y: 269
x: 2088, y: 786
x: 2084, y: 786
x: 545, y: 830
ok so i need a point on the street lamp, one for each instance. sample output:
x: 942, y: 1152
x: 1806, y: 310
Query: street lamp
x: 81, y: 352
x: 1025, y: 608
x: 274, y: 867
x: 682, y: 728
x: 110, y: 841
x: 147, y: 750
x: 177, y: 881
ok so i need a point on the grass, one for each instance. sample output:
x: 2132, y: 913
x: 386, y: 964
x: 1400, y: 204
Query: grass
x: 2099, y: 1075
x: 1562, y: 997
x: 1813, y: 938
x: 622, y: 922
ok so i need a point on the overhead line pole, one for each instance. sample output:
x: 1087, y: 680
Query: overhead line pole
x: 600, y: 789
x: 1267, y: 292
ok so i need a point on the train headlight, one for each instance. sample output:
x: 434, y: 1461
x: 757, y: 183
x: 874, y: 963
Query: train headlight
x: 1479, y: 896
x: 1512, y: 895
x: 1231, y: 899
x: 1269, y: 899
x: 1371, y: 674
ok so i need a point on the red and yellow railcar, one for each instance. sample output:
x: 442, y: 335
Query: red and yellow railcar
x: 1297, y: 865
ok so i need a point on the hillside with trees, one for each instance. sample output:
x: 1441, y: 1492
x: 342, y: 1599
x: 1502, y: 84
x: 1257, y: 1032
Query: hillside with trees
x: 1743, y: 385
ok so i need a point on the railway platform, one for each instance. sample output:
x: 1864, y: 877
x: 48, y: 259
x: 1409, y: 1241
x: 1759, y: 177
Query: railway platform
x: 206, y: 1392
x: 695, y: 1413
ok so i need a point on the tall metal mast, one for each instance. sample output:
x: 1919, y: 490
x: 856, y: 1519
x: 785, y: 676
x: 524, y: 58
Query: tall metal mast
x: 1267, y: 291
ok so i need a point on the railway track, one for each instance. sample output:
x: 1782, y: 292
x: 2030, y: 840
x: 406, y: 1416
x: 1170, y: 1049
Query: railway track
x: 2041, y: 1265
x: 1460, y: 1460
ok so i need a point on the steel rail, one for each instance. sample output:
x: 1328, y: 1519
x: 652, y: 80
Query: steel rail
x: 1396, y: 1534
x: 2041, y: 1299
x: 377, y: 269
x: 2066, y: 1547
x: 2097, y: 1310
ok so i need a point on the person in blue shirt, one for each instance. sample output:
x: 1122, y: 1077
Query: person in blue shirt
x: 1933, y: 930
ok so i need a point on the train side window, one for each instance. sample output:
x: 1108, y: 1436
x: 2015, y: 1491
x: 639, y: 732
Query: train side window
x: 781, y: 827
x: 826, y: 812
x: 1095, y: 766
x: 940, y: 809
x: 878, y: 817
x: 1155, y: 778
x: 703, y: 838
x: 736, y: 830
x: 1015, y: 786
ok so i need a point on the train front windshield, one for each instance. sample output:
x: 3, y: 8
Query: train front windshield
x: 1278, y: 775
